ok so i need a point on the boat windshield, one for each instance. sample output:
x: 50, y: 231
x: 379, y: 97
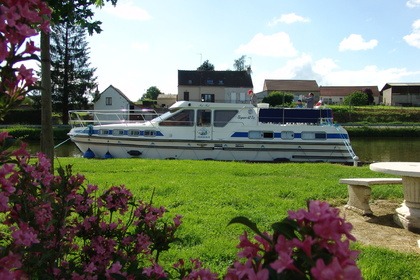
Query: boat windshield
x: 179, y: 118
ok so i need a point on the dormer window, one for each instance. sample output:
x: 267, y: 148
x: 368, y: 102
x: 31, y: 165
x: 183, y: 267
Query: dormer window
x: 209, y: 82
x: 220, y: 82
x: 190, y: 82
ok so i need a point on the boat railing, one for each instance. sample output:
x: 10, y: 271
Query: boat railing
x: 346, y: 142
x: 83, y: 118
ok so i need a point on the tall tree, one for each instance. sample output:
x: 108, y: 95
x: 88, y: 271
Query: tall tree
x: 206, y: 66
x: 239, y: 63
x: 81, y: 13
x: 73, y: 81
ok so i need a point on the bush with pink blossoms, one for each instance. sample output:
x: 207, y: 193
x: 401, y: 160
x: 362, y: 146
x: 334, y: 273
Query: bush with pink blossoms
x: 308, y: 244
x: 60, y: 228
x: 19, y: 21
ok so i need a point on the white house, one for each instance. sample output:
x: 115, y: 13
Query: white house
x: 112, y: 99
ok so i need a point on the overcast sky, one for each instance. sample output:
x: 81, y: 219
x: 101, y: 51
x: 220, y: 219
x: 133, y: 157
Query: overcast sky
x: 335, y: 42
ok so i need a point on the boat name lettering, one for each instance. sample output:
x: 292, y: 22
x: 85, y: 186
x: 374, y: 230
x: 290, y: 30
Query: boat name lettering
x: 246, y: 117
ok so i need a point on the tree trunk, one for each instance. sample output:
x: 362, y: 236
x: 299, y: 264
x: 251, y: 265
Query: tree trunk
x: 47, y: 138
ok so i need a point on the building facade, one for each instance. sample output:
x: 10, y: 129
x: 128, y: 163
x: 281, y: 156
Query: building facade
x: 215, y: 86
x: 401, y: 94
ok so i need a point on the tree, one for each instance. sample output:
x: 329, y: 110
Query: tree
x: 369, y: 93
x: 63, y: 11
x: 73, y: 81
x: 239, y: 64
x: 357, y: 98
x: 151, y: 93
x: 277, y: 98
x: 206, y: 66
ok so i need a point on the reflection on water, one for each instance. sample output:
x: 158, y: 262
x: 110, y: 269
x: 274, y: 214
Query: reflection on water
x: 386, y: 149
x: 67, y: 149
x: 367, y: 149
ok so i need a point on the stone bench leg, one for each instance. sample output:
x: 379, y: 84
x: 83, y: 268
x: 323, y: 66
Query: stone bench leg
x: 359, y: 197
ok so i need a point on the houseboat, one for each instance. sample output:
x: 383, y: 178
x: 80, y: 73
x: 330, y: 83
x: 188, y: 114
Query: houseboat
x: 216, y: 131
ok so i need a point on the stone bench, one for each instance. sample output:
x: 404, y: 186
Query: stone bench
x: 359, y: 192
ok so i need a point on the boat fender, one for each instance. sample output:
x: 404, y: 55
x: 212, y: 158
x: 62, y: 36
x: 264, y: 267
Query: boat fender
x: 108, y: 155
x: 89, y: 154
x: 134, y: 153
x: 90, y: 130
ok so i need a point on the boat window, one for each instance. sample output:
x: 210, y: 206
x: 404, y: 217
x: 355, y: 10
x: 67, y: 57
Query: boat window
x: 222, y: 117
x: 134, y: 132
x: 287, y: 135
x: 260, y: 134
x: 203, y: 117
x: 118, y: 132
x: 103, y: 132
x: 181, y: 118
x: 314, y: 135
x: 149, y: 133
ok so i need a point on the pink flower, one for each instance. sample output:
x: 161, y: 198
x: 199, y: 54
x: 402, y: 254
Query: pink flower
x: 334, y: 271
x: 4, y: 200
x: 155, y: 271
x: 115, y: 269
x: 25, y: 235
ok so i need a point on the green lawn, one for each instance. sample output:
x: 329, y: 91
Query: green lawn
x: 208, y: 194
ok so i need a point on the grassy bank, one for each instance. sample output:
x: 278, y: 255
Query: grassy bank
x: 209, y: 194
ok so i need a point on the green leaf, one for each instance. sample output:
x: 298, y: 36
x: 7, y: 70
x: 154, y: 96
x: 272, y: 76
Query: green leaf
x: 287, y: 227
x: 247, y: 222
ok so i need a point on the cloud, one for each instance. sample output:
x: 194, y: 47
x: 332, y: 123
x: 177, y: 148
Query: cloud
x: 413, y: 39
x: 355, y: 42
x: 413, y: 3
x: 128, y: 11
x: 275, y: 45
x: 288, y: 19
x: 327, y: 73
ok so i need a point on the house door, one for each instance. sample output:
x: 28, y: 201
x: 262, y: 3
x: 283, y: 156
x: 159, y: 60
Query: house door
x: 203, y: 129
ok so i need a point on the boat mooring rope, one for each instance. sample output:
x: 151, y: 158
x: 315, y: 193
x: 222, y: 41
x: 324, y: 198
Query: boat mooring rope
x: 55, y: 147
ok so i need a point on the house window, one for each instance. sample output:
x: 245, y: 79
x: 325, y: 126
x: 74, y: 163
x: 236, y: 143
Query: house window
x: 186, y: 96
x: 209, y: 82
x: 207, y: 97
x: 108, y: 101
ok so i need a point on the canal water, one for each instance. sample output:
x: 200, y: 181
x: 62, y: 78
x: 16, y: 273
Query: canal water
x: 367, y: 149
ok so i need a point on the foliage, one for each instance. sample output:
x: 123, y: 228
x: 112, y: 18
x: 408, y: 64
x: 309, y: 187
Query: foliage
x: 78, y: 13
x: 357, y: 98
x: 369, y: 93
x: 152, y: 93
x: 58, y: 228
x: 375, y: 114
x: 278, y: 98
x: 29, y: 133
x: 311, y: 244
x: 383, y: 131
x: 73, y: 80
x: 239, y: 64
x: 206, y: 66
x: 19, y: 21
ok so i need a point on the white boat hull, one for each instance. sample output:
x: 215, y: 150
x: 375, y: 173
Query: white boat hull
x: 242, y: 139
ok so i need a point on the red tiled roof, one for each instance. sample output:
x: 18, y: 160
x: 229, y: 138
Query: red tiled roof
x: 291, y: 85
x: 345, y: 90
